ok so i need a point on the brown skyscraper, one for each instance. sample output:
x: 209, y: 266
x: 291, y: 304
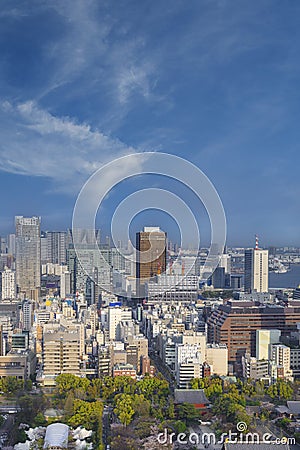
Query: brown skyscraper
x: 151, y: 255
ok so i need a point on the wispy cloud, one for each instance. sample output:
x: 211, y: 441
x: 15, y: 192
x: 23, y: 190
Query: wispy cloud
x: 35, y: 142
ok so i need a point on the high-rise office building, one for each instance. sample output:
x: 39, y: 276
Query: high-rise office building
x: 44, y: 249
x: 151, y: 255
x: 11, y: 244
x: 28, y: 256
x: 56, y: 246
x: 27, y: 315
x: 256, y: 269
x: 65, y: 284
x: 8, y: 284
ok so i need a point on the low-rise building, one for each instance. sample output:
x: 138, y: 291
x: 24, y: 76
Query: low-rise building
x: 124, y: 370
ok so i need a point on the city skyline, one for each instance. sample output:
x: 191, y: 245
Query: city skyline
x: 83, y: 83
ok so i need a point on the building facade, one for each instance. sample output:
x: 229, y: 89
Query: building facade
x: 151, y: 255
x: 28, y: 256
x: 256, y: 270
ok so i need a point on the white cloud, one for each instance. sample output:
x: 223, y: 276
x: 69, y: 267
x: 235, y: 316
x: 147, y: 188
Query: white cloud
x: 37, y: 143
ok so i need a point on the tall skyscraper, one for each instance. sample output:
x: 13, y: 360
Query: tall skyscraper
x: 11, y: 244
x: 256, y: 269
x: 56, y: 246
x: 151, y: 255
x: 27, y: 315
x: 65, y: 284
x: 28, y: 256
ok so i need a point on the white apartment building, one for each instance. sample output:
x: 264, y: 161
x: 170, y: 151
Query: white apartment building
x: 281, y: 355
x: 117, y: 314
x: 9, y: 289
x: 187, y: 370
x: 185, y: 352
x: 254, y: 368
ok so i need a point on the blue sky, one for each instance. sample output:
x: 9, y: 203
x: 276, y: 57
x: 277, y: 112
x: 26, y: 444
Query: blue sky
x: 216, y: 82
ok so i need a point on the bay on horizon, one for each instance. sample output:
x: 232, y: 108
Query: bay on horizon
x: 290, y: 279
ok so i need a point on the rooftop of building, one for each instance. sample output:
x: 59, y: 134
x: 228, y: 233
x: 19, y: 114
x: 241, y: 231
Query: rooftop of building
x: 192, y: 396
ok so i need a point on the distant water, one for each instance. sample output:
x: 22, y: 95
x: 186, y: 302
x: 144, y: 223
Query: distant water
x: 290, y: 279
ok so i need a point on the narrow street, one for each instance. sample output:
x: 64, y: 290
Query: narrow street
x: 6, y: 431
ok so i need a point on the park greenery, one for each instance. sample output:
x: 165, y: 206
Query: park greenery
x: 11, y: 385
x: 230, y: 399
x: 142, y: 408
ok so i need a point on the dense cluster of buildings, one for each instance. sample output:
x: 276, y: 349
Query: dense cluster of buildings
x: 57, y: 315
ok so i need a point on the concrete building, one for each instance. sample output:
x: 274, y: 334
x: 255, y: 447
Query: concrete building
x: 295, y: 361
x: 254, y: 368
x: 65, y: 284
x: 281, y: 355
x: 56, y: 246
x: 216, y: 356
x: 104, y: 361
x: 124, y: 370
x: 151, y: 256
x: 18, y: 364
x: 187, y: 370
x: 187, y: 351
x: 27, y: 314
x: 117, y: 314
x: 256, y: 270
x: 28, y: 256
x: 20, y: 341
x: 136, y: 348
x: 236, y: 322
x: 11, y: 244
x: 61, y: 354
x: 172, y: 288
x: 225, y: 261
x: 9, y: 288
x: 264, y: 338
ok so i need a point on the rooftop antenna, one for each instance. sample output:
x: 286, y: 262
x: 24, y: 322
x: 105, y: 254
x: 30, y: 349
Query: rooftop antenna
x: 256, y: 242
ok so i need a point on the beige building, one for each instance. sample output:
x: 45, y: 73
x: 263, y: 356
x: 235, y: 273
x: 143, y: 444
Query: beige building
x: 195, y: 337
x: 217, y: 358
x: 264, y: 338
x: 281, y: 355
x: 61, y: 354
x: 254, y: 368
x: 136, y: 348
x: 19, y: 365
x: 256, y: 270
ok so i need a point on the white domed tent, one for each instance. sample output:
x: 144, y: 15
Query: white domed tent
x: 56, y: 436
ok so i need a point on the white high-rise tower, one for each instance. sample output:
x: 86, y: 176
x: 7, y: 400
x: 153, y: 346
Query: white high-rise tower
x: 256, y: 269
